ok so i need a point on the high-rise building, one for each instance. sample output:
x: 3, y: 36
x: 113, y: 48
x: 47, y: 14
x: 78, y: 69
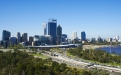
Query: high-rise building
x: 44, y: 28
x: 31, y: 39
x: 5, y: 44
x: 99, y: 39
x: 59, y: 34
x: 83, y: 36
x: 52, y: 29
x: 74, y: 35
x: 24, y: 37
x: 64, y: 35
x: 18, y: 37
x: 117, y: 37
x: 5, y: 35
x: 12, y: 40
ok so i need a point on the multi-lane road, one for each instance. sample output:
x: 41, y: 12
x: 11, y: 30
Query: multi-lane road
x: 81, y: 64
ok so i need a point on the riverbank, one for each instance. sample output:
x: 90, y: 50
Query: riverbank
x: 94, y: 46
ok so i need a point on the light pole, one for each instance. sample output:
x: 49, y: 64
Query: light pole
x: 110, y: 47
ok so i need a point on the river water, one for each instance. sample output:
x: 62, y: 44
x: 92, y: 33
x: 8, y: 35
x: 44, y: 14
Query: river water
x: 113, y: 49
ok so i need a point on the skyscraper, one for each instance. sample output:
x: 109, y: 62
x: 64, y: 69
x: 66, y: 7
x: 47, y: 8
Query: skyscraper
x: 117, y: 37
x: 5, y: 35
x: 31, y: 39
x: 18, y: 37
x: 24, y: 37
x: 74, y: 35
x: 52, y: 29
x: 83, y: 36
x: 59, y: 34
x: 44, y: 28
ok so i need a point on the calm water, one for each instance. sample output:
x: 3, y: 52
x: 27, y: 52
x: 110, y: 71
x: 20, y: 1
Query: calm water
x: 116, y: 49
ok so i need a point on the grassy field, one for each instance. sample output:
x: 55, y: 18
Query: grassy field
x: 39, y: 55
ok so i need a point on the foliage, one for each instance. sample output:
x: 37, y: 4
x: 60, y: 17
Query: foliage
x: 20, y: 63
x: 19, y: 46
x: 96, y: 55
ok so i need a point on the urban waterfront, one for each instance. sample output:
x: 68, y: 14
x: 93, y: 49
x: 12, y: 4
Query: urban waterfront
x: 113, y: 49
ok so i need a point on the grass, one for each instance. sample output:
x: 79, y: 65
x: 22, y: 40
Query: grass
x: 39, y: 55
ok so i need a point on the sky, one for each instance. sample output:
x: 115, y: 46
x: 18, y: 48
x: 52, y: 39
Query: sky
x: 95, y: 17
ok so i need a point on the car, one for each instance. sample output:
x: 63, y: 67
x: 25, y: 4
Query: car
x: 111, y: 71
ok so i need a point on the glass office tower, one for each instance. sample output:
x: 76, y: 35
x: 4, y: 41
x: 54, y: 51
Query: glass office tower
x: 52, y: 29
x: 18, y: 37
x: 83, y: 36
x: 59, y: 34
x: 5, y: 35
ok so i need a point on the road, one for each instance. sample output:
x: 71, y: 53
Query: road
x: 80, y: 64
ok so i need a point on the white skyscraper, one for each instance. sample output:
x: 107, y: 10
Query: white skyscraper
x: 117, y: 37
x: 44, y: 28
x: 74, y: 35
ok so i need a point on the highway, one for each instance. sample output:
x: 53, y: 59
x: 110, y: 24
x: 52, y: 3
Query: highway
x: 80, y: 64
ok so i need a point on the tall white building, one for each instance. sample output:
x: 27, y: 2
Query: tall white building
x: 44, y: 28
x: 74, y: 35
x: 117, y: 37
x: 18, y: 37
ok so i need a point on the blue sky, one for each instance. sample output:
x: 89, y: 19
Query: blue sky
x: 95, y: 17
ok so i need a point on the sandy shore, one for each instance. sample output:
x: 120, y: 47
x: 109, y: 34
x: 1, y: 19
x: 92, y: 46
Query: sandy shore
x: 94, y: 46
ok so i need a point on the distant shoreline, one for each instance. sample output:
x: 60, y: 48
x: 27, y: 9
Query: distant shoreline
x: 95, y: 46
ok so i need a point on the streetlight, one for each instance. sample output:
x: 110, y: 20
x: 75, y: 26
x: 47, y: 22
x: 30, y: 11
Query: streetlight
x: 110, y: 47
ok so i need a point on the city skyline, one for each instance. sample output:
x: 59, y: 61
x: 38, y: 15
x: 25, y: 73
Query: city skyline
x: 96, y: 18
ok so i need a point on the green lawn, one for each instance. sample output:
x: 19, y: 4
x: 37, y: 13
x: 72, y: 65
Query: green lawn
x: 39, y: 55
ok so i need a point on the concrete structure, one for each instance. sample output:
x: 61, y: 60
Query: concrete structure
x: 92, y: 40
x: 98, y: 39
x: 83, y: 36
x: 24, y: 37
x: 31, y: 39
x: 74, y: 35
x: 117, y: 38
x: 109, y: 39
x: 52, y: 29
x: 59, y: 34
x: 44, y: 28
x: 18, y: 37
x: 5, y: 35
x: 56, y: 46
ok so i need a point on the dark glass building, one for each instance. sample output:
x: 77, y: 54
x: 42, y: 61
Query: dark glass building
x: 12, y: 40
x: 52, y: 29
x: 64, y: 35
x: 83, y: 36
x: 31, y: 39
x: 5, y: 35
x: 18, y: 37
x: 59, y: 34
x: 5, y: 44
x: 24, y: 37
